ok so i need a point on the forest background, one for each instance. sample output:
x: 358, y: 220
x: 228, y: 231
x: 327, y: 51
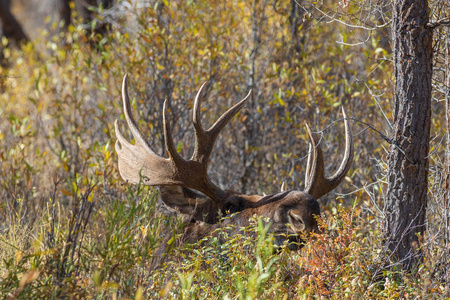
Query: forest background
x: 70, y: 227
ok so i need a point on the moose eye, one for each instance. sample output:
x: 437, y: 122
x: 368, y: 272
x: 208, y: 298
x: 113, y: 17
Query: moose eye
x: 231, y: 208
x: 234, y: 209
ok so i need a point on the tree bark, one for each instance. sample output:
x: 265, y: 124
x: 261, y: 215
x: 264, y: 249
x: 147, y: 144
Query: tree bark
x: 447, y: 160
x: 64, y: 11
x: 85, y: 9
x: 408, y: 158
x: 11, y: 27
x: 295, y: 20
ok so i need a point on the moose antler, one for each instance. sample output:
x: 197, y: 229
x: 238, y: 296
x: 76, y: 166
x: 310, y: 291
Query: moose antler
x: 139, y: 161
x: 316, y: 184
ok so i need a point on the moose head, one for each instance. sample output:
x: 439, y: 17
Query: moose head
x: 292, y: 213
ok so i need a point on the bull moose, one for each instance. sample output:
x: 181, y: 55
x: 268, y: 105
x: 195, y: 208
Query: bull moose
x: 292, y: 213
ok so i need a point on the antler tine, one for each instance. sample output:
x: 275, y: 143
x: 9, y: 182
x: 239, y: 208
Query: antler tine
x: 340, y: 174
x: 132, y: 125
x: 316, y: 184
x: 205, y: 139
x: 217, y: 127
x: 312, y: 159
x: 196, y: 114
x: 172, y: 151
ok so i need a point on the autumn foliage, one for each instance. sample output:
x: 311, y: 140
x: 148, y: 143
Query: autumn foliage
x: 71, y: 228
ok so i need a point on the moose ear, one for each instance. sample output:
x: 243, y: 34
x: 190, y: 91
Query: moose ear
x: 180, y: 199
x: 296, y: 221
x: 188, y: 202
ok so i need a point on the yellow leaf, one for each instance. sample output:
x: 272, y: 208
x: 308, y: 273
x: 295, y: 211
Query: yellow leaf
x: 19, y: 255
x: 139, y: 293
x: 66, y: 192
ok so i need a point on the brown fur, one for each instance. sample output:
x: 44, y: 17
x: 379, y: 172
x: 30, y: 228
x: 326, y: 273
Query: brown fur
x: 292, y: 213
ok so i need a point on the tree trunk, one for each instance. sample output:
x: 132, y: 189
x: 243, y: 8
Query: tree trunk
x: 408, y: 158
x: 447, y: 160
x: 11, y: 27
x: 86, y: 12
x: 295, y: 20
x: 64, y: 11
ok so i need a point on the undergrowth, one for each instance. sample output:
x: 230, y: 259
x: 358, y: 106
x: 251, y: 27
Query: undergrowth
x: 116, y: 262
